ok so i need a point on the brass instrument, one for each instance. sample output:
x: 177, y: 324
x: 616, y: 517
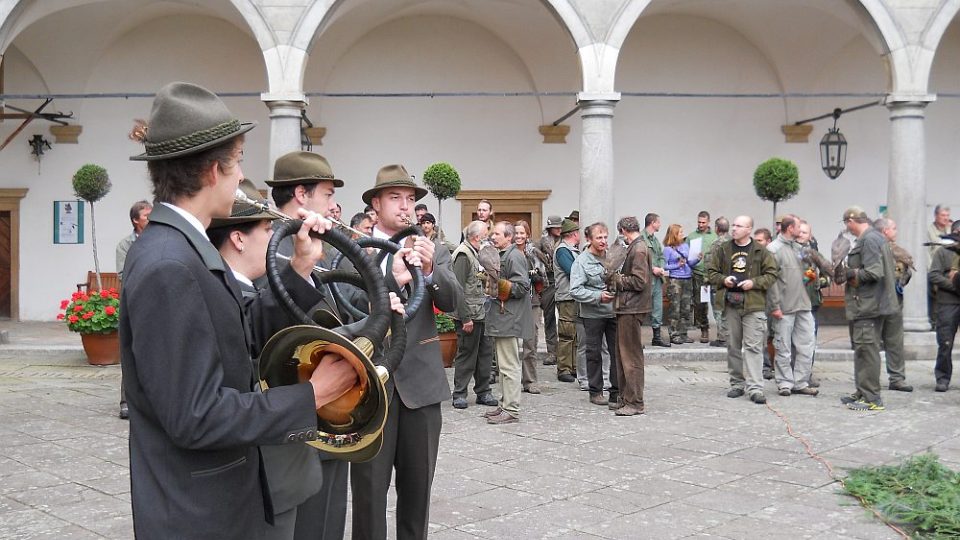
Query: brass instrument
x: 240, y: 196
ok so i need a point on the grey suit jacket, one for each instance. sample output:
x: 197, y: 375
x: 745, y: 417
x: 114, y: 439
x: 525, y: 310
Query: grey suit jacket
x: 195, y: 422
x: 420, y: 379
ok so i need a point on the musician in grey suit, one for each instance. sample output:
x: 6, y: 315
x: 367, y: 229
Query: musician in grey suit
x: 195, y: 421
x: 412, y: 433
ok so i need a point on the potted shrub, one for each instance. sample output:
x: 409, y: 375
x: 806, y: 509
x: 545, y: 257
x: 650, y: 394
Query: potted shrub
x: 95, y: 316
x: 91, y: 183
x: 444, y: 182
x: 448, y: 336
x: 776, y: 180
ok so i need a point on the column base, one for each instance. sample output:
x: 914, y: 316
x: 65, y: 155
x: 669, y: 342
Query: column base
x: 919, y: 345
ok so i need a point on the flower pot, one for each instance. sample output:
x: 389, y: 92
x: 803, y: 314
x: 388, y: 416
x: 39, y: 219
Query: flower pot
x: 101, y: 349
x: 448, y: 348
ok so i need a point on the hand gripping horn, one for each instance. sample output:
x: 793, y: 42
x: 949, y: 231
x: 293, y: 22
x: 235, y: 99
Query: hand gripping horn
x: 386, y: 247
x: 351, y: 427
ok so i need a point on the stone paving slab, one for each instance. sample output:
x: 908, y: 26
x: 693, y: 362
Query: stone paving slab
x: 697, y: 465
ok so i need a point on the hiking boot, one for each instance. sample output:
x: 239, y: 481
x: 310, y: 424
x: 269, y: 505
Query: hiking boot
x: 686, y: 338
x: 768, y: 374
x: 677, y: 340
x: 503, y: 418
x: 704, y: 335
x: 531, y: 389
x: 495, y: 412
x: 806, y: 391
x: 735, y: 392
x: 487, y: 400
x: 459, y: 403
x: 628, y: 410
x: 814, y: 381
x: 718, y: 343
x: 613, y: 402
x: 598, y: 399
x: 784, y: 392
x: 758, y: 398
x: 901, y: 386
x: 847, y: 400
x: 864, y: 405
x: 550, y: 362
x: 657, y: 340
x: 566, y: 377
x: 942, y: 386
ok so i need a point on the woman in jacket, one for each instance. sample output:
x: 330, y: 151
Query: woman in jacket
x: 537, y: 271
x: 679, y: 268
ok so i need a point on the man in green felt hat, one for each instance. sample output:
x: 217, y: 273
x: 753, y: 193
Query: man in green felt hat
x: 418, y: 386
x: 195, y: 419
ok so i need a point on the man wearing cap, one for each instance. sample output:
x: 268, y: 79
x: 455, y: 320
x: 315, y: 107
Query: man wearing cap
x: 305, y: 180
x: 546, y: 245
x: 564, y: 254
x: 870, y: 295
x: 411, y: 435
x: 195, y: 420
x: 944, y: 278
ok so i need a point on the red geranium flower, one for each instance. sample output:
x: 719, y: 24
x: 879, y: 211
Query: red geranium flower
x: 78, y: 308
x: 64, y: 304
x: 109, y: 310
x: 88, y: 315
x: 73, y: 318
x: 60, y: 316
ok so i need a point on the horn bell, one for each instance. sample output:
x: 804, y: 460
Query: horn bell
x: 351, y: 427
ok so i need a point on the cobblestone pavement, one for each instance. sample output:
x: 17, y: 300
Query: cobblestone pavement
x: 696, y: 465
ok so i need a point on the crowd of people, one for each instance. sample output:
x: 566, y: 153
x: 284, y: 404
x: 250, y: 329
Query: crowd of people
x: 216, y: 452
x: 764, y: 288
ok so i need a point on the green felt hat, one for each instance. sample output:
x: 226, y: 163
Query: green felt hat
x: 186, y: 119
x: 301, y: 167
x: 568, y: 226
x: 393, y: 176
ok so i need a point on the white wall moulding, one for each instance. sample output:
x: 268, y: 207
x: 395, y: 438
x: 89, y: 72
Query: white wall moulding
x: 555, y: 134
x: 66, y: 134
x: 796, y: 134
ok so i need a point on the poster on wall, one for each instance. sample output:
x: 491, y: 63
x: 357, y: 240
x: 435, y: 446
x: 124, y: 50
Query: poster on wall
x: 67, y: 222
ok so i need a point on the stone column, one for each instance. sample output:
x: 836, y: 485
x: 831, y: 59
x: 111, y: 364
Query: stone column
x: 284, y: 126
x: 596, y: 159
x: 906, y: 198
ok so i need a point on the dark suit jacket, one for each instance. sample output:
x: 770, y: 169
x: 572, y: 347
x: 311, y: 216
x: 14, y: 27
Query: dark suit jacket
x: 195, y: 422
x: 420, y: 379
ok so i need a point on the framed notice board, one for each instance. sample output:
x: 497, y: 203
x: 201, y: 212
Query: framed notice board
x: 67, y: 222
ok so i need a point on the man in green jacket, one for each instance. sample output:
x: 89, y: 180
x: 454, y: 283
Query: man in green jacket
x: 743, y: 270
x: 706, y: 237
x: 870, y: 295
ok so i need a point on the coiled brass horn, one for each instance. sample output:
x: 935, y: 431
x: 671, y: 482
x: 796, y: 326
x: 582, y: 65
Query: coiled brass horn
x: 351, y: 427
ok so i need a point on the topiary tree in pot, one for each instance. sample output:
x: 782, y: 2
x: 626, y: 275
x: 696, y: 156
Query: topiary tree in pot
x: 91, y: 183
x: 776, y: 180
x: 444, y: 182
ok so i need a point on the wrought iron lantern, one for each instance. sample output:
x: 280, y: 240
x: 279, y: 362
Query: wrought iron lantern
x: 833, y: 149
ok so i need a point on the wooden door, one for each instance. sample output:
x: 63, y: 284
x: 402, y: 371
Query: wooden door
x: 6, y: 289
x: 512, y: 217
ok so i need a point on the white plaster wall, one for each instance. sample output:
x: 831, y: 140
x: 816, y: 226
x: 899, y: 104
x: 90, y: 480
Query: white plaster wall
x: 943, y: 125
x: 677, y: 156
x: 205, y: 50
x: 492, y: 141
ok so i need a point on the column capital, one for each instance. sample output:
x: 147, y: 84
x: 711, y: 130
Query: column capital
x: 908, y: 100
x: 584, y: 98
x: 289, y: 98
